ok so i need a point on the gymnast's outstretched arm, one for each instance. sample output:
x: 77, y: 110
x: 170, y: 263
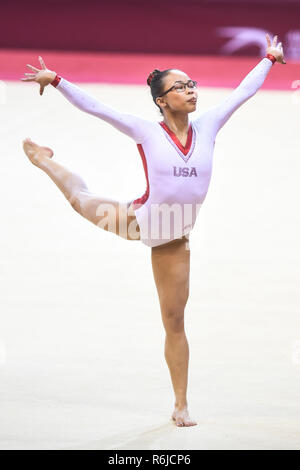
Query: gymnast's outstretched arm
x: 135, y: 127
x: 215, y: 117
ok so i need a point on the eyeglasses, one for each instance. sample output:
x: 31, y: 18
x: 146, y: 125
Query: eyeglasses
x: 180, y: 87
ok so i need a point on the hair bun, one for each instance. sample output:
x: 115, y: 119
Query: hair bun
x: 152, y: 75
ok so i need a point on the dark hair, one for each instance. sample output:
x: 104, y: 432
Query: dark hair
x: 155, y: 82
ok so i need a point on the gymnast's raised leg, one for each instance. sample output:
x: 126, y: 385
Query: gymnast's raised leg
x: 108, y: 214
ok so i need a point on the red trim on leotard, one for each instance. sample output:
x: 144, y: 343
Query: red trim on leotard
x: 271, y: 57
x: 185, y: 150
x: 56, y: 81
x: 143, y: 199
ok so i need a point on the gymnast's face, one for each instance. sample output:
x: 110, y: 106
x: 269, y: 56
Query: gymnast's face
x: 178, y: 99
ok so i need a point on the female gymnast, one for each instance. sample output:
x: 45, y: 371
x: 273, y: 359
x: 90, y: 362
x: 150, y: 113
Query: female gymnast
x: 177, y: 158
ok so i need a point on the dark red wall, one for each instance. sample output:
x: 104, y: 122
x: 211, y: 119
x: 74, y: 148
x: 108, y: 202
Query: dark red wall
x: 154, y: 26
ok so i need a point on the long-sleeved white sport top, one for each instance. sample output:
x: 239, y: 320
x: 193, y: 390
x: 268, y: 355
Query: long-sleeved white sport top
x: 177, y: 177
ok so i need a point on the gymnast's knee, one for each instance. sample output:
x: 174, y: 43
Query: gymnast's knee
x: 74, y: 200
x: 174, y: 321
x: 79, y: 200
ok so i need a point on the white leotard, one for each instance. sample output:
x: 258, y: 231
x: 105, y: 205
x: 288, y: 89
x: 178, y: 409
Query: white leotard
x: 177, y: 177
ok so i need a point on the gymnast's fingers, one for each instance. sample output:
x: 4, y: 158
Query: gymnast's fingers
x: 42, y: 63
x: 33, y: 68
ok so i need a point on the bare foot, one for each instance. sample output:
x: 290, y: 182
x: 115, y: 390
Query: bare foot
x: 35, y: 153
x: 182, y: 418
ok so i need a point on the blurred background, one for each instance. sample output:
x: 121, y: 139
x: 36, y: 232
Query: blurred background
x: 216, y: 27
x: 126, y: 34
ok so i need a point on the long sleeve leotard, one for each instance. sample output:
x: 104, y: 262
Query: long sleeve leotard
x: 177, y: 176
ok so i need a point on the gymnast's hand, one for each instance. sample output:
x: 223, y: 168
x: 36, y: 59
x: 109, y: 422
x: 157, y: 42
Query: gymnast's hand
x: 43, y: 76
x: 276, y: 51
